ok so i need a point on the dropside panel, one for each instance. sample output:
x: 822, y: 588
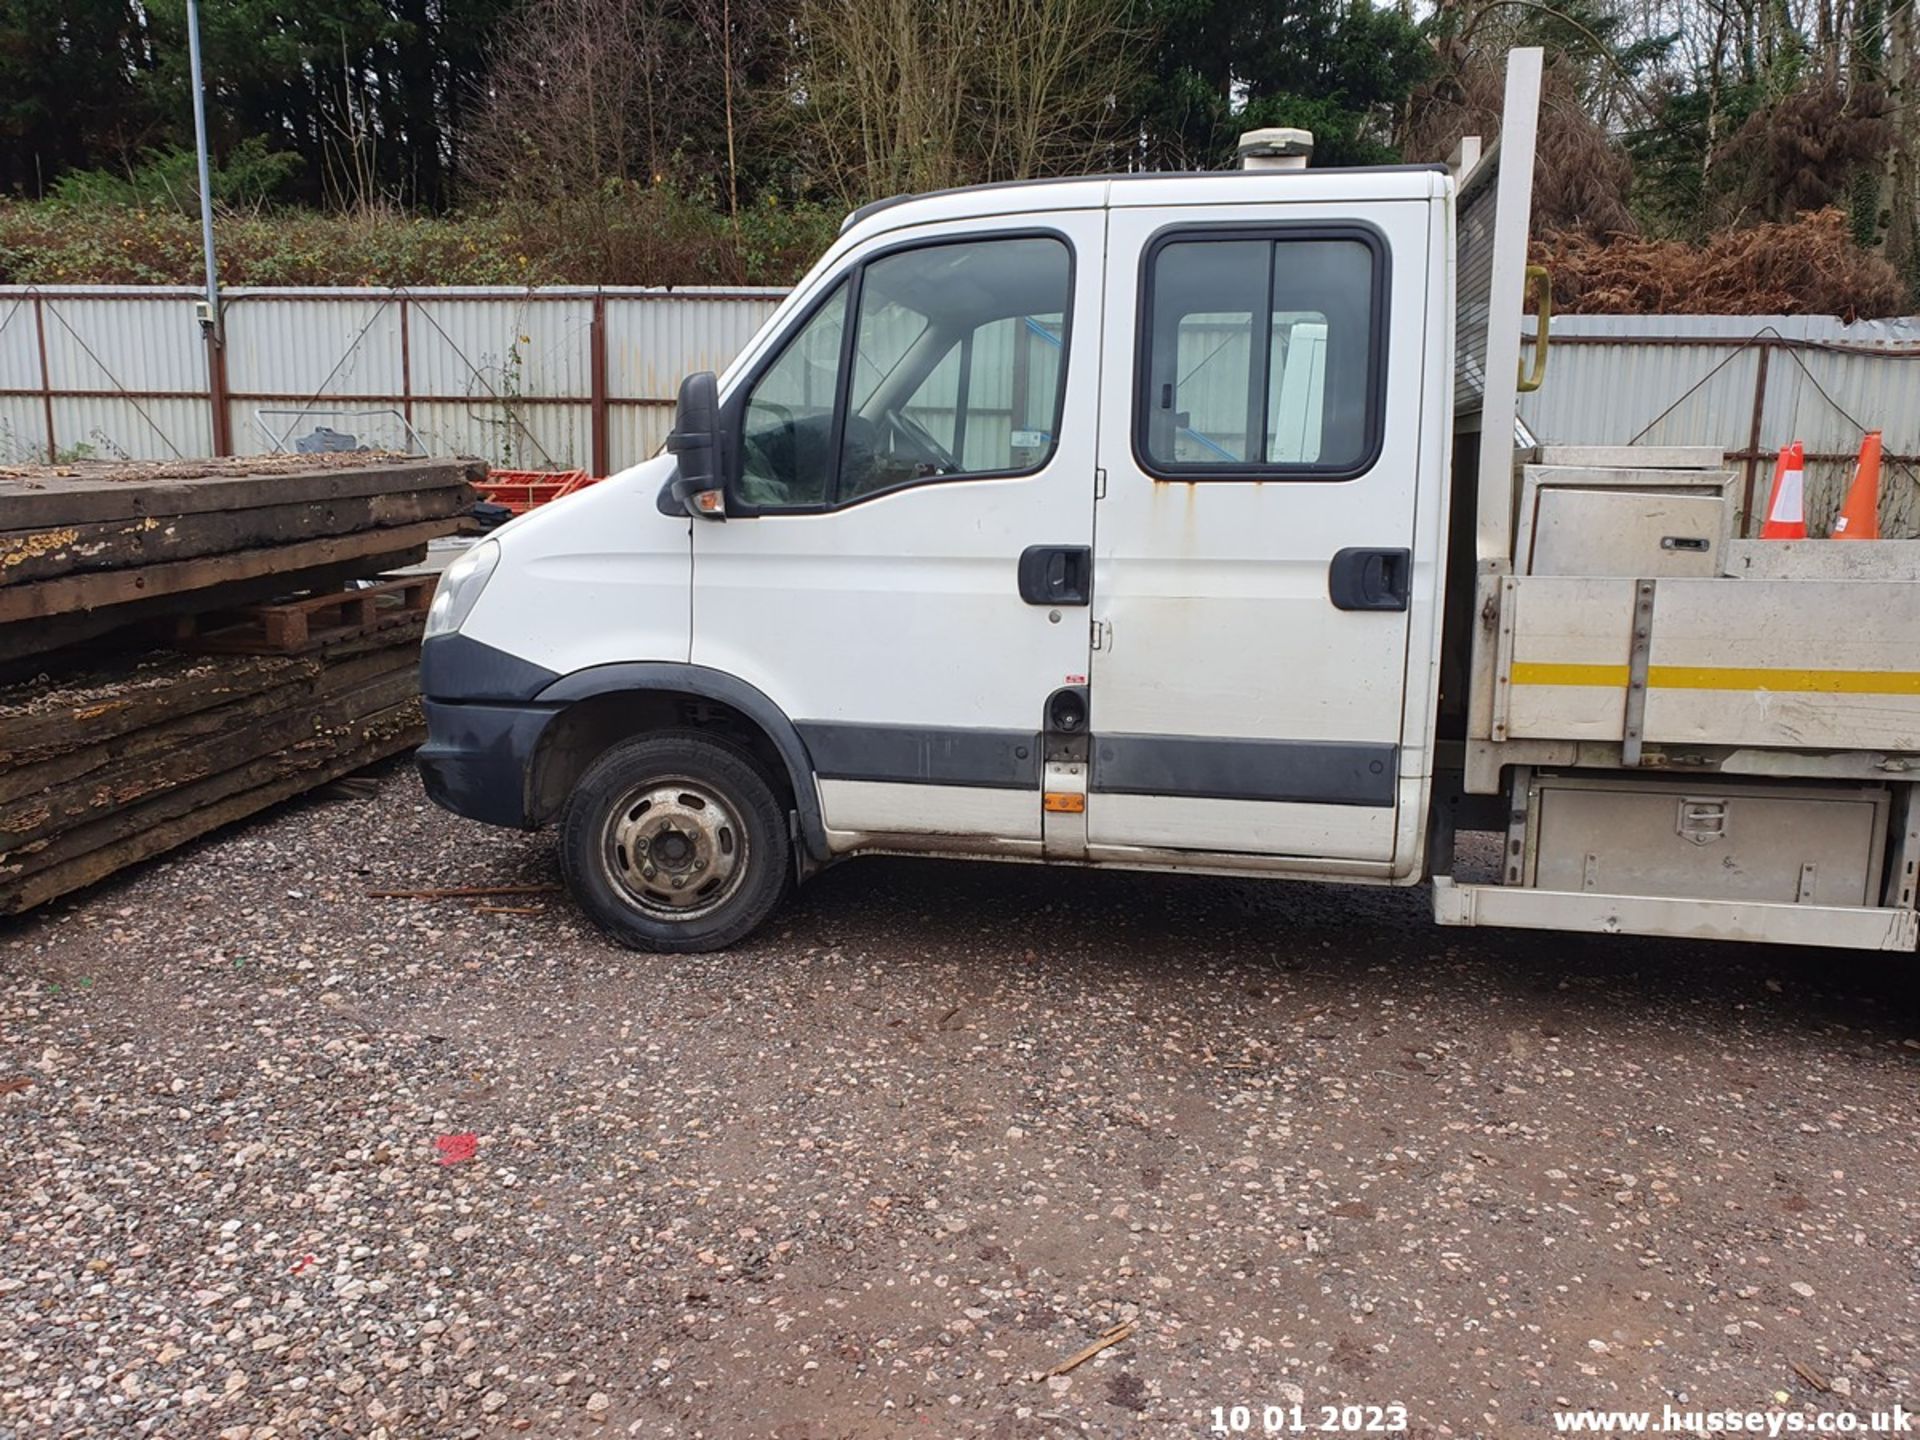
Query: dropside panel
x: 1828, y: 665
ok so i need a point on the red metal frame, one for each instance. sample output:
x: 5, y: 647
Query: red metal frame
x: 524, y: 490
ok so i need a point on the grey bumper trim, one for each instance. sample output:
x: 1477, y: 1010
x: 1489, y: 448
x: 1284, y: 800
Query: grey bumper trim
x: 1313, y: 772
x: 924, y: 754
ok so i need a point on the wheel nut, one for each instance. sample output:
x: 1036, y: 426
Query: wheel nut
x: 641, y: 846
x: 699, y: 864
x: 648, y: 872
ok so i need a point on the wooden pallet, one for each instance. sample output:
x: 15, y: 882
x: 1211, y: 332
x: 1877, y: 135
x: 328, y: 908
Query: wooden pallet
x: 294, y: 627
x: 22, y: 645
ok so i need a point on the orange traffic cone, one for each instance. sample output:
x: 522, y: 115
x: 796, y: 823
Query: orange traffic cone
x: 1860, y: 516
x: 1787, y: 508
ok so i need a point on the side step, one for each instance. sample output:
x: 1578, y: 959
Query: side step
x: 1847, y: 927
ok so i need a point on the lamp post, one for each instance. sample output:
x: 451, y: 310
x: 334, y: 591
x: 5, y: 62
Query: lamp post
x: 209, y: 309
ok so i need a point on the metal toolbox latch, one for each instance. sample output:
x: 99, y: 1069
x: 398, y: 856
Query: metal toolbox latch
x: 1703, y: 821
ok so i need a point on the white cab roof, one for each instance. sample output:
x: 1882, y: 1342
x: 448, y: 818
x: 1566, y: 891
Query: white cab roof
x: 1225, y: 187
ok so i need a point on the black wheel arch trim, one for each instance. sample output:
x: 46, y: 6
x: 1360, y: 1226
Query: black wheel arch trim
x: 674, y: 675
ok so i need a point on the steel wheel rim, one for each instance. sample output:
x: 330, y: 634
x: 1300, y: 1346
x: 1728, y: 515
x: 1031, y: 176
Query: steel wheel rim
x: 675, y: 849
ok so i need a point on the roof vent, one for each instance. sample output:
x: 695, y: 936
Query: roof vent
x: 1279, y: 148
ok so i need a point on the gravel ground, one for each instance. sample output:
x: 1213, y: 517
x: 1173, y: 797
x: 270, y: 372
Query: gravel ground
x: 937, y: 1130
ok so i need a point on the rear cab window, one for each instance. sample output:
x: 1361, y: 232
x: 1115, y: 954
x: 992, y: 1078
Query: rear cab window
x: 1261, y: 353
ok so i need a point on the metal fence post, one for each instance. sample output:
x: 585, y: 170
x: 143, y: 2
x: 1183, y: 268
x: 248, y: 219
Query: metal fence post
x: 597, y: 379
x: 46, y: 379
x: 406, y: 367
x: 1753, y: 437
x: 217, y: 392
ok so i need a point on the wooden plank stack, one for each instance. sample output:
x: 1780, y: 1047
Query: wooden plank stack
x: 87, y: 549
x: 152, y: 696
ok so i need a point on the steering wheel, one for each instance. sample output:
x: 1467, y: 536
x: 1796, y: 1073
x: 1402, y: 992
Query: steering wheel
x: 932, y: 451
x: 760, y: 442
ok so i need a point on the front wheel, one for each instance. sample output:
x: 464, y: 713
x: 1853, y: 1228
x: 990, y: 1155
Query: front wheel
x: 675, y: 843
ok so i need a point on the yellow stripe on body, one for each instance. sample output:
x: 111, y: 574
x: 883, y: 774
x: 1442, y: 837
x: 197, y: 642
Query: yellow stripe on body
x: 1535, y: 672
x: 1724, y: 677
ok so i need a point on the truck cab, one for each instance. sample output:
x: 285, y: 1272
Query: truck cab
x: 1085, y: 520
x: 1095, y: 521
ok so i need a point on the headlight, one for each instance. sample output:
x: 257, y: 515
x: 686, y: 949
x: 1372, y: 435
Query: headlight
x: 460, y: 587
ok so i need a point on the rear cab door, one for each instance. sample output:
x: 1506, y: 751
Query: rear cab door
x: 1268, y: 546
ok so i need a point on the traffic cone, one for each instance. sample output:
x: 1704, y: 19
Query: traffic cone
x: 1787, y: 508
x: 1860, y: 516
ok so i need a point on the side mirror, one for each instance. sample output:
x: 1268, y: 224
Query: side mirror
x: 694, y: 443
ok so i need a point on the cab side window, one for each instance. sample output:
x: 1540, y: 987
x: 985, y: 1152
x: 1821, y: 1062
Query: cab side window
x: 787, y: 427
x: 1261, y: 356
x: 956, y: 369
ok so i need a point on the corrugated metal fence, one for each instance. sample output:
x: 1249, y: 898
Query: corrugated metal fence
x: 1747, y: 384
x: 535, y: 379
x: 554, y: 378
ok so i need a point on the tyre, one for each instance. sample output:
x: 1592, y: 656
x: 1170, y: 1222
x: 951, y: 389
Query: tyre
x: 675, y: 843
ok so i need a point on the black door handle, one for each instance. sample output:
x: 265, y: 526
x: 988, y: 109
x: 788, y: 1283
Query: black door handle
x: 1056, y: 575
x: 1363, y: 579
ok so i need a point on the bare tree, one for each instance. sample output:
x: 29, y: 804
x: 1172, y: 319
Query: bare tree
x: 1054, y: 82
x: 901, y: 95
x: 1900, y: 175
x: 350, y: 143
x: 715, y: 22
x: 879, y: 94
x: 580, y: 93
x: 1581, y: 176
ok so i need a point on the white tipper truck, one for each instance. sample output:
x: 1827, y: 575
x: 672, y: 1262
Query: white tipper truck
x: 1177, y: 522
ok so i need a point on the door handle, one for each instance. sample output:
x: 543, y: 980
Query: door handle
x: 1364, y: 579
x: 1056, y: 574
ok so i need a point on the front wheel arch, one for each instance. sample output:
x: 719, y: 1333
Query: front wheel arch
x: 605, y: 704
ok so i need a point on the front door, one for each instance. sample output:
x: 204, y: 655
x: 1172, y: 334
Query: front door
x: 925, y: 416
x: 1263, y: 556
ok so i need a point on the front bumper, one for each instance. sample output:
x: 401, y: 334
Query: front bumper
x: 478, y: 759
x: 482, y: 729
